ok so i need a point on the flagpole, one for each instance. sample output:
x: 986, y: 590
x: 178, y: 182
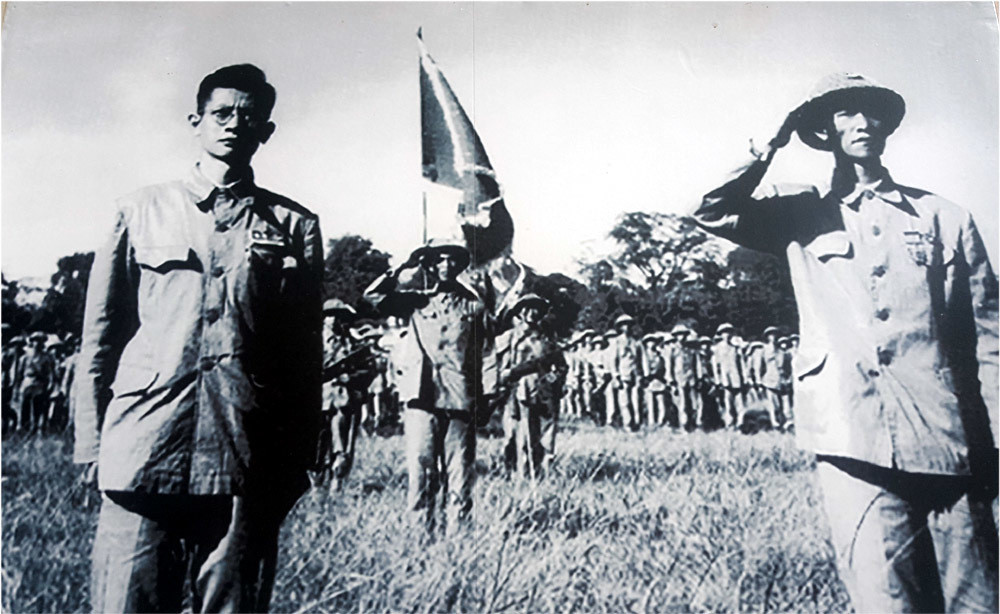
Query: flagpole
x: 425, y: 217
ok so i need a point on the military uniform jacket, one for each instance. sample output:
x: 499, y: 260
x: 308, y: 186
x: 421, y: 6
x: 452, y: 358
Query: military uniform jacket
x: 38, y: 370
x: 727, y: 365
x: 199, y: 369
x: 521, y: 345
x: 770, y: 363
x: 682, y: 367
x: 627, y: 359
x: 897, y: 310
x: 439, y: 359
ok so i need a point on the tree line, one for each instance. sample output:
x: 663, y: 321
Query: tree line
x: 659, y: 268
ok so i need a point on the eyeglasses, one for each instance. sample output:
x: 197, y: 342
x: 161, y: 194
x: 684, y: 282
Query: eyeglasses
x: 223, y: 115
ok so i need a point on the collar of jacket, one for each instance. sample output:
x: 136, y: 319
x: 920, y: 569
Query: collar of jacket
x: 885, y: 189
x: 201, y: 188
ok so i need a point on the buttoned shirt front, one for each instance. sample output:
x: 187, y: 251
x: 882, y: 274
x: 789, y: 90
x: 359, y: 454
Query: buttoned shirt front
x: 199, y: 370
x: 897, y: 313
x: 440, y: 358
x: 727, y: 365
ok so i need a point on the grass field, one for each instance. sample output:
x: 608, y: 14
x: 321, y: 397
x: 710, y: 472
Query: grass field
x: 645, y: 522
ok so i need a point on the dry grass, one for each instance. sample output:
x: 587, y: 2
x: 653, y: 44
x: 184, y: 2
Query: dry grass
x: 647, y: 522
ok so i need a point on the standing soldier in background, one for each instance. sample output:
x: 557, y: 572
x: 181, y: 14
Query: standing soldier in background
x: 785, y: 378
x: 606, y: 375
x: 38, y: 379
x: 702, y: 347
x: 198, y: 383
x: 683, y: 376
x: 728, y: 371
x: 627, y: 370
x: 897, y: 373
x: 12, y: 350
x: 769, y: 377
x: 754, y: 363
x: 654, y: 379
x: 570, y: 400
x: 439, y: 375
x: 531, y: 367
x: 347, y: 372
x: 588, y: 376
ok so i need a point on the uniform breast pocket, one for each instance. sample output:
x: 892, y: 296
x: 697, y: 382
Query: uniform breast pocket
x: 831, y: 245
x: 166, y: 258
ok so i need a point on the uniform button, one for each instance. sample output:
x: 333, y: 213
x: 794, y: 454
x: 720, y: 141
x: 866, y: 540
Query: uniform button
x: 882, y: 314
x: 218, y: 271
x: 876, y: 231
x: 212, y: 315
x: 878, y: 271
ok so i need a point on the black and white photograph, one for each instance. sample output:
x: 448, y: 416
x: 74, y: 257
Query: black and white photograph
x: 483, y: 307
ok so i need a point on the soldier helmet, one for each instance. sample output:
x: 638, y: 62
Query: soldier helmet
x: 651, y: 337
x: 724, y: 327
x: 770, y: 330
x: 680, y: 329
x: 839, y: 89
x: 437, y: 246
x: 580, y: 336
x: 37, y: 336
x: 364, y: 329
x: 337, y: 307
x: 704, y: 341
x: 529, y: 300
x: 623, y: 319
x: 793, y: 337
x: 17, y: 341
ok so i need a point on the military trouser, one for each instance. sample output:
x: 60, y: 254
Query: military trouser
x: 685, y: 399
x: 729, y: 407
x: 787, y: 402
x: 147, y: 543
x: 772, y: 404
x: 910, y: 542
x: 34, y: 409
x: 628, y: 397
x: 344, y: 426
x: 610, y: 404
x: 440, y: 457
x: 655, y: 402
x: 529, y: 437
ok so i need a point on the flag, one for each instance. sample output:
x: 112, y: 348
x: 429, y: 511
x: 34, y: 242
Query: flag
x: 463, y: 197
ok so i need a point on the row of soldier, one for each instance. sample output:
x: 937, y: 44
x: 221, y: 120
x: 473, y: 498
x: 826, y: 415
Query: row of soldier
x: 37, y: 376
x: 680, y: 379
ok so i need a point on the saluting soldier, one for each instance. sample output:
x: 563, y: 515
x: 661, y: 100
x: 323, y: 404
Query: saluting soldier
x: 728, y: 369
x: 439, y: 375
x: 897, y: 372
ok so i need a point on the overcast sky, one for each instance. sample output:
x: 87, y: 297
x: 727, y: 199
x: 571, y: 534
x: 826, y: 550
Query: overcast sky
x: 585, y: 109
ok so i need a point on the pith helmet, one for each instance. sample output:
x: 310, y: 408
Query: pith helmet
x: 680, y: 329
x: 723, y: 328
x: 337, y: 307
x: 37, y: 336
x: 529, y: 300
x: 451, y: 247
x: 839, y: 89
x: 770, y: 330
x: 623, y: 319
